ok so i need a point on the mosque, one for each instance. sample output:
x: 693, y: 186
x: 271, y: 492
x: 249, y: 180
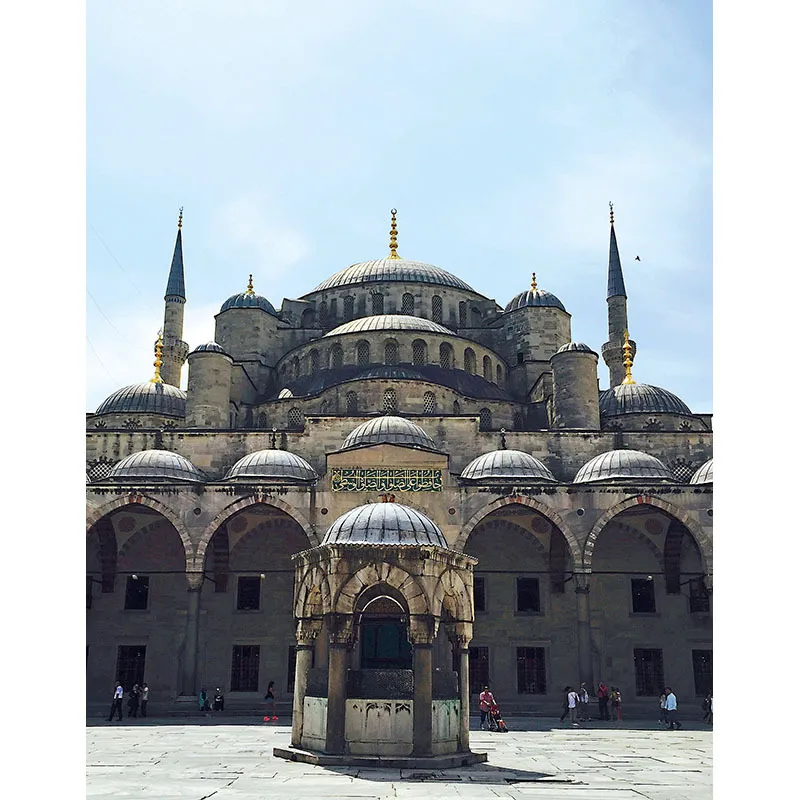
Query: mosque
x: 395, y: 406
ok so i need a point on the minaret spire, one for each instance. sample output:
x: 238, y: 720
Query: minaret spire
x: 175, y: 349
x: 175, y: 286
x: 616, y: 283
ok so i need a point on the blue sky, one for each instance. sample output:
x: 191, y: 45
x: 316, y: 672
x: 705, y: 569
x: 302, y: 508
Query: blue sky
x: 500, y: 131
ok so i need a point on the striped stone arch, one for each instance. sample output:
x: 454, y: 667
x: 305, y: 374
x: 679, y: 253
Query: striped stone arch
x: 240, y: 505
x: 531, y: 502
x: 313, y: 581
x: 93, y: 515
x: 390, y: 574
x: 451, y: 590
x: 700, y: 537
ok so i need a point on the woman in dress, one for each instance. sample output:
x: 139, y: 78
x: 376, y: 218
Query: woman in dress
x: 270, y: 698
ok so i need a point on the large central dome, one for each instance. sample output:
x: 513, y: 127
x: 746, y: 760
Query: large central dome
x: 392, y: 269
x: 389, y: 322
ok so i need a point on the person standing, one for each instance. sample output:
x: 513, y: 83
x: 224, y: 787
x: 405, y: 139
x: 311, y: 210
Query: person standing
x: 583, y: 708
x: 602, y: 700
x: 202, y: 700
x: 133, y: 701
x: 116, y: 703
x: 708, y: 708
x: 565, y: 703
x: 219, y: 700
x: 572, y: 705
x: 671, y: 708
x: 485, y: 701
x: 270, y: 698
x: 145, y: 696
x: 662, y: 701
x: 616, y: 703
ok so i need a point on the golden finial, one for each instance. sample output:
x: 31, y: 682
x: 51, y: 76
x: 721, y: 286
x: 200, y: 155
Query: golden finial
x: 180, y: 218
x: 611, y: 207
x: 533, y: 282
x: 393, y: 236
x: 628, y: 362
x: 158, y: 362
x: 250, y: 285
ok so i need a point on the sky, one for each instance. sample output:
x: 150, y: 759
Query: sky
x: 500, y: 131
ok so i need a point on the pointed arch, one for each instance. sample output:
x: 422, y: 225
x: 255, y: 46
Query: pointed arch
x: 313, y: 595
x: 452, y: 595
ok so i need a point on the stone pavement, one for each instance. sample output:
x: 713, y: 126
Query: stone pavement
x: 232, y: 759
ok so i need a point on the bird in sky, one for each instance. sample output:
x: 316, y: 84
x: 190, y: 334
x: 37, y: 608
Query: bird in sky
x: 637, y: 258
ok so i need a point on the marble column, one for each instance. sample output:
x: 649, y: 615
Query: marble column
x: 340, y: 643
x: 460, y: 635
x: 422, y: 633
x: 584, y: 630
x: 192, y: 637
x: 306, y: 633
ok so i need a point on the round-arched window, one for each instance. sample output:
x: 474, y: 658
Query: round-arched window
x: 390, y: 401
x: 295, y: 419
x: 407, y: 304
x: 419, y: 353
x: 391, y: 352
x: 485, y: 419
x: 362, y: 353
x: 469, y: 360
x: 429, y: 403
x: 436, y: 308
x: 337, y: 356
x: 352, y: 403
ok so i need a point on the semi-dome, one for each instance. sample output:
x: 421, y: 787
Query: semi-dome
x: 146, y: 398
x: 387, y: 270
x: 156, y: 465
x: 639, y: 398
x: 705, y: 474
x: 621, y: 464
x: 505, y: 465
x: 209, y: 347
x: 580, y: 346
x: 384, y: 523
x: 389, y: 322
x: 276, y: 464
x: 389, y: 430
x: 534, y: 297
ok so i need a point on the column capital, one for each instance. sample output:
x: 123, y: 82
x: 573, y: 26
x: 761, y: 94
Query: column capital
x: 306, y: 631
x: 194, y: 581
x: 341, y: 630
x: 459, y: 634
x: 422, y: 629
x: 581, y: 582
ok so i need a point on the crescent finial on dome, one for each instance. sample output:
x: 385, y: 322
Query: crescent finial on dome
x: 250, y: 285
x: 158, y: 362
x: 533, y: 281
x: 393, y: 236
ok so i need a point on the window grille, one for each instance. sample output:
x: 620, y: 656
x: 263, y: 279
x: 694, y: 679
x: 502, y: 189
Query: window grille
x: 295, y: 419
x: 352, y: 403
x: 519, y: 421
x: 377, y: 303
x: 295, y: 367
x: 456, y: 407
x: 323, y: 314
x: 462, y: 315
x: 487, y: 368
x: 407, y: 304
x: 349, y: 307
x: 262, y: 420
x: 314, y: 359
x: 244, y: 668
x: 391, y: 352
x: 362, y: 354
x: 436, y: 308
x: 323, y: 407
x: 649, y: 668
x: 531, y: 678
x: 445, y: 356
x: 390, y: 401
x: 485, y: 419
x: 333, y: 312
x: 419, y: 353
x: 499, y: 374
x: 703, y: 665
x: 337, y: 356
x: 429, y: 403
x: 469, y: 360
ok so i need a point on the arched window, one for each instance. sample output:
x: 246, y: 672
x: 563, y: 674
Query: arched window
x: 389, y: 401
x: 476, y: 318
x: 487, y: 368
x: 352, y: 403
x: 407, y: 304
x: 469, y: 360
x: 377, y: 303
x: 362, y: 353
x: 349, y: 307
x: 262, y: 420
x: 445, y: 356
x: 456, y: 407
x: 390, y: 352
x: 499, y: 374
x: 419, y: 353
x: 337, y: 356
x: 485, y: 419
x: 519, y: 421
x: 333, y: 313
x: 462, y: 314
x: 313, y: 358
x: 307, y: 318
x: 323, y: 407
x: 436, y: 308
x: 295, y: 368
x: 429, y: 403
x: 295, y: 419
x: 323, y: 314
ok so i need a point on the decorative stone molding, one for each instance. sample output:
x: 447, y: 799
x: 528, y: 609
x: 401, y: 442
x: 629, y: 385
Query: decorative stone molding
x: 422, y: 629
x: 307, y: 631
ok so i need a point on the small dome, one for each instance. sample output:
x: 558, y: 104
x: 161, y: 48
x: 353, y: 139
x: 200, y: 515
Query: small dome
x: 639, y: 398
x: 249, y: 300
x: 384, y: 523
x: 620, y: 464
x: 209, y: 347
x: 584, y: 348
x: 157, y: 465
x: 705, y: 474
x: 276, y: 464
x: 283, y: 394
x: 506, y: 464
x: 146, y: 398
x: 389, y: 430
x: 384, y: 270
x: 534, y: 297
x: 389, y: 322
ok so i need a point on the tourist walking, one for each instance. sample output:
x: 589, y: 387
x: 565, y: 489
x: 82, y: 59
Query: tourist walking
x: 219, y: 700
x: 602, y: 700
x: 616, y: 703
x: 572, y: 705
x: 133, y: 701
x: 565, y: 703
x: 270, y: 698
x: 662, y: 701
x: 145, y: 696
x: 583, y: 708
x: 116, y: 703
x: 708, y: 708
x: 202, y: 700
x: 485, y: 701
x: 671, y: 708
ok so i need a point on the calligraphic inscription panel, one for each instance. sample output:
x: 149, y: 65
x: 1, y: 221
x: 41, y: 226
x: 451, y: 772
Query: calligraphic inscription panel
x: 386, y: 480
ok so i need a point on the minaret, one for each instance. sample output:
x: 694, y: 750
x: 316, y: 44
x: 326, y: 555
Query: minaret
x: 613, y: 349
x: 175, y: 349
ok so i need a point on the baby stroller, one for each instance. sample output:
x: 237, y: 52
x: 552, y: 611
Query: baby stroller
x: 495, y: 720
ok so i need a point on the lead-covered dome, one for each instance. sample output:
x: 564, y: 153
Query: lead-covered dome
x: 705, y: 474
x: 209, y: 347
x: 392, y: 269
x: 389, y: 430
x: 146, y: 398
x: 507, y: 465
x: 384, y: 523
x: 622, y: 464
x: 534, y: 297
x: 389, y: 322
x: 156, y: 465
x: 575, y: 346
x: 248, y: 300
x: 274, y: 464
x: 639, y: 398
